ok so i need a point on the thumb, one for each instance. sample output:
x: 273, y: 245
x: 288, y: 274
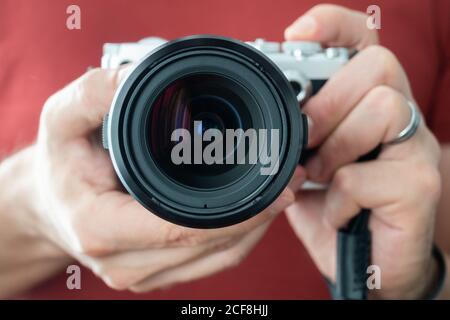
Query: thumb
x: 333, y: 25
x: 79, y: 108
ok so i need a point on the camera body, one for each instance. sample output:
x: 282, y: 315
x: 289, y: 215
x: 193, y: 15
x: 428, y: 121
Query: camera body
x: 307, y: 65
x: 252, y: 88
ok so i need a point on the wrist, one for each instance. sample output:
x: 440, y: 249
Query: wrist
x: 27, y: 256
x: 20, y: 205
x: 430, y: 286
x: 419, y: 285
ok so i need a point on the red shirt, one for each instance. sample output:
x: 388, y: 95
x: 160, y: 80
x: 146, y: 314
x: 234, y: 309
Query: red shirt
x: 39, y: 55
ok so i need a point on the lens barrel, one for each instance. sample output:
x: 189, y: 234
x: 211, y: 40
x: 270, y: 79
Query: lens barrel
x: 196, y: 84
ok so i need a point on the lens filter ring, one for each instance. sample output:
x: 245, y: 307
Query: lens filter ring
x: 203, y: 199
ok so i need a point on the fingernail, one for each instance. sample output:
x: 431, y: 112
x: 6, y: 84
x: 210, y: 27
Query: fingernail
x: 314, y: 167
x: 304, y: 27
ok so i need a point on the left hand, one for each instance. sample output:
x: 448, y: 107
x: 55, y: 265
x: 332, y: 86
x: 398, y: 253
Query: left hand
x: 361, y: 106
x: 78, y: 205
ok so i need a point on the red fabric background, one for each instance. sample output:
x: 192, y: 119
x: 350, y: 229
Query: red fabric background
x: 39, y: 56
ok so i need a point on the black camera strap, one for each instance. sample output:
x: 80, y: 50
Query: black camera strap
x: 353, y: 253
x: 353, y: 259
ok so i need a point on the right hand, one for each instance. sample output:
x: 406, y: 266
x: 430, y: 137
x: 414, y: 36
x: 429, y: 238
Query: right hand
x: 363, y: 105
x: 80, y: 206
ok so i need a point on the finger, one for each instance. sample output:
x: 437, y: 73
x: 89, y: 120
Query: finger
x: 333, y: 26
x: 306, y: 219
x: 117, y: 222
x: 394, y: 191
x: 378, y: 118
x: 205, y: 266
x: 297, y: 179
x: 121, y: 271
x: 79, y: 108
x: 373, y: 67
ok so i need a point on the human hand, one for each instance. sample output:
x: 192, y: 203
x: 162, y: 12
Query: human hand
x: 81, y: 207
x: 366, y: 104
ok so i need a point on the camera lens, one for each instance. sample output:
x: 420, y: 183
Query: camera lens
x: 197, y: 103
x: 208, y: 120
x: 205, y: 132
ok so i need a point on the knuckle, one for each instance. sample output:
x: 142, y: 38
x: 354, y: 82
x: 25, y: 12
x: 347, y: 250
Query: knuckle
x: 108, y: 77
x: 176, y: 235
x: 385, y: 61
x: 117, y: 279
x: 149, y: 285
x: 335, y: 145
x: 320, y: 107
x: 47, y: 117
x: 343, y: 181
x: 92, y: 75
x: 85, y: 85
x: 386, y: 100
x: 322, y: 7
x: 381, y: 93
x: 88, y: 244
x: 138, y: 289
x: 434, y: 151
x: 383, y: 55
x: 325, y: 9
x: 435, y: 147
x: 85, y: 240
x: 429, y: 181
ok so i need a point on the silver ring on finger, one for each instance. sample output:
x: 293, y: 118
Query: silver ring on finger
x: 412, y: 126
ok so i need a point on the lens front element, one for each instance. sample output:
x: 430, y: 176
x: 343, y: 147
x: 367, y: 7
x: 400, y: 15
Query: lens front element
x: 205, y: 132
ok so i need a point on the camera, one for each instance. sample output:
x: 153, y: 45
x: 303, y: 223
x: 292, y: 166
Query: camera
x: 206, y: 131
